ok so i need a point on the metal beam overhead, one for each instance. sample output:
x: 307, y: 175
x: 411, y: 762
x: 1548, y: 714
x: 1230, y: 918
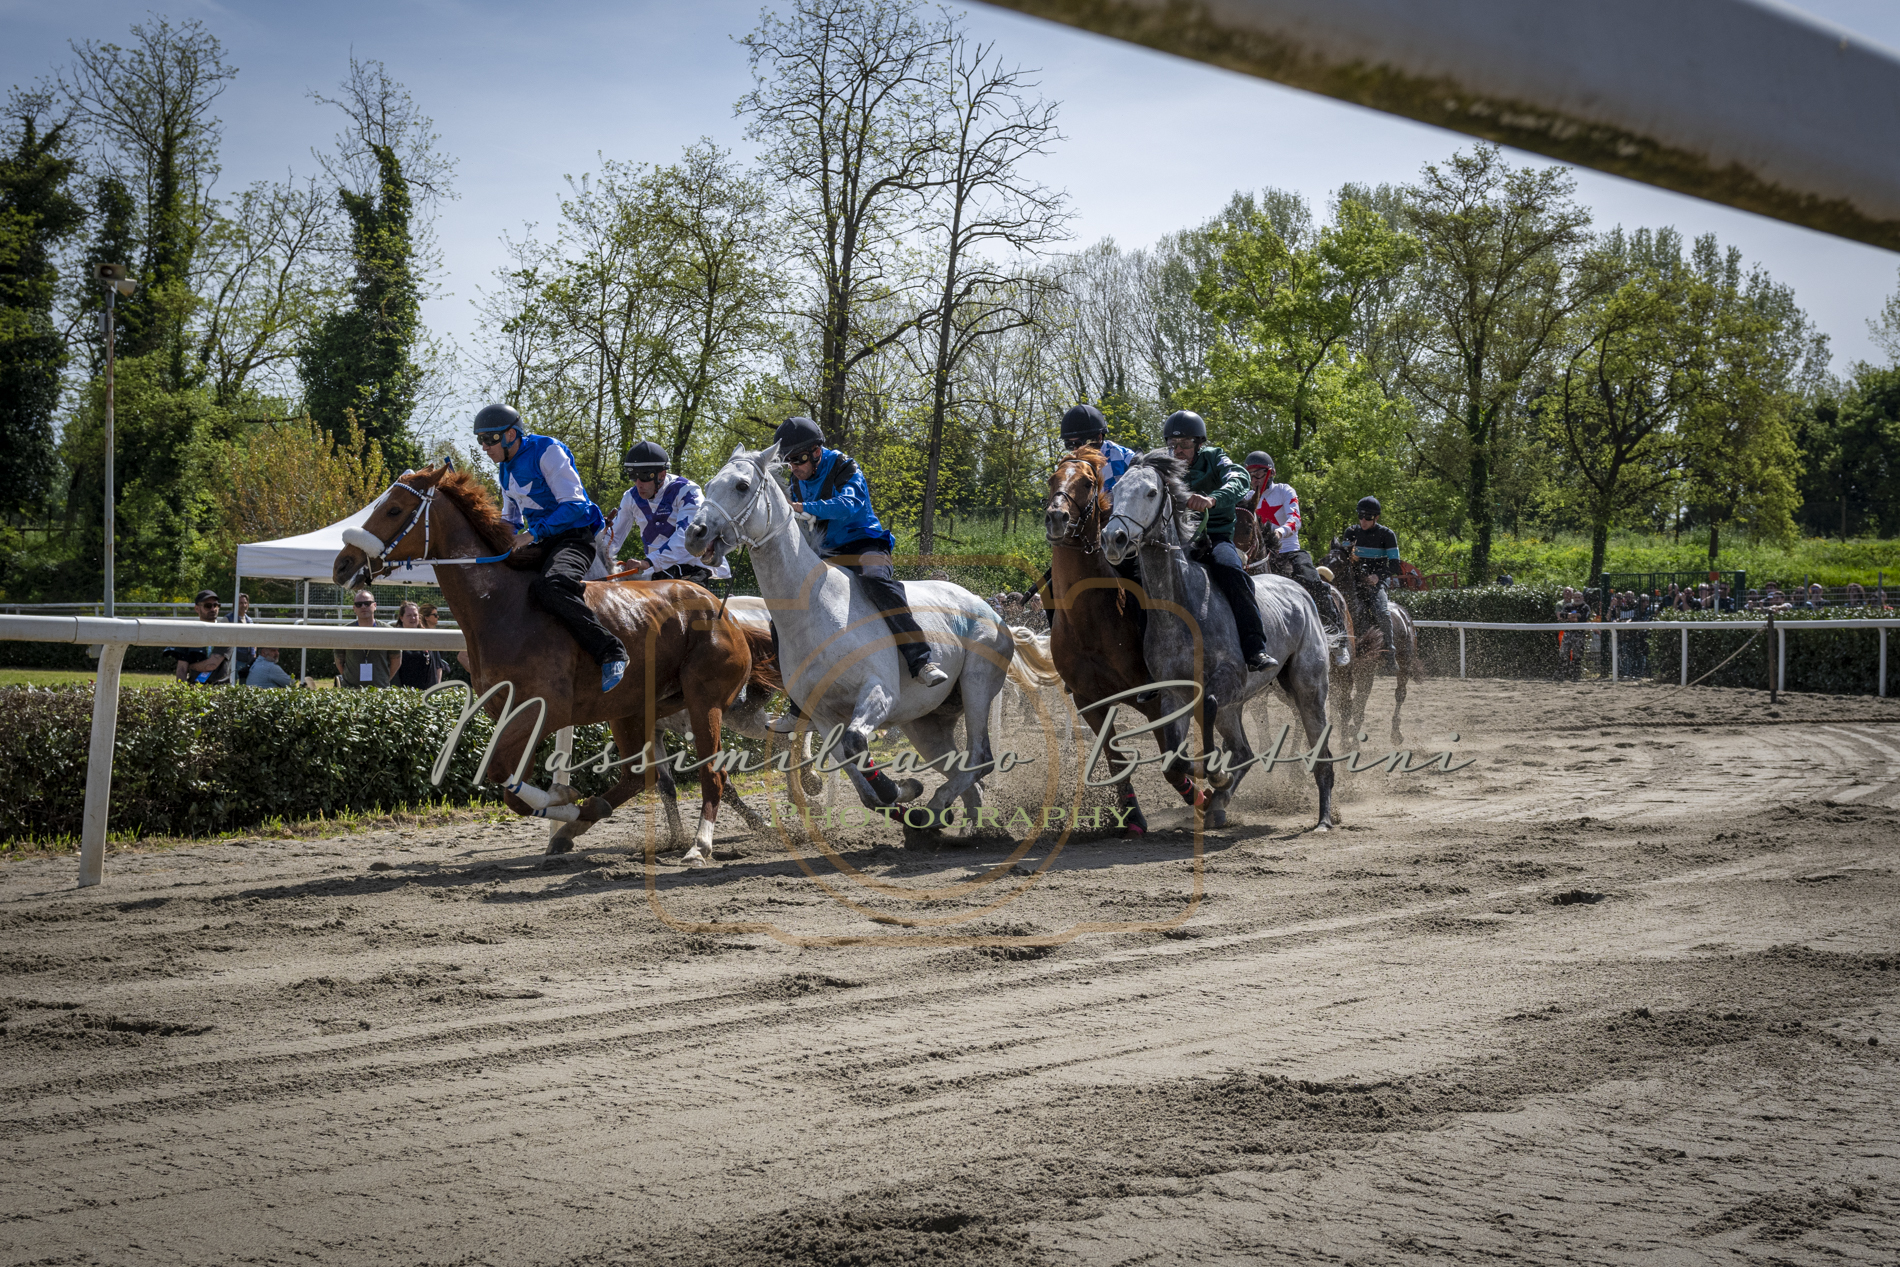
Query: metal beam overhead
x: 1750, y: 103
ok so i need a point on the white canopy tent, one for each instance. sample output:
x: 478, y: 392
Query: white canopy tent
x: 310, y: 556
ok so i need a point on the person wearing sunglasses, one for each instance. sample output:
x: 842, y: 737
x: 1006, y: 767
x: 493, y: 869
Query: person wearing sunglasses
x: 543, y: 498
x: 828, y: 486
x: 660, y: 510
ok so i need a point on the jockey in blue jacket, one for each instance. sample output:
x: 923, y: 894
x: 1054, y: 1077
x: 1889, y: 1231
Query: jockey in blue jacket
x: 828, y: 486
x: 1084, y: 424
x: 542, y: 496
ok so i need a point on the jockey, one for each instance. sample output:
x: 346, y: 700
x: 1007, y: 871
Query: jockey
x: 1084, y: 425
x: 1216, y: 486
x: 828, y: 486
x: 1376, y: 547
x: 1277, y: 507
x: 660, y: 511
x: 542, y: 496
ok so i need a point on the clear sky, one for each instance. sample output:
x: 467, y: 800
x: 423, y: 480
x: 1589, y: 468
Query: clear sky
x: 525, y: 95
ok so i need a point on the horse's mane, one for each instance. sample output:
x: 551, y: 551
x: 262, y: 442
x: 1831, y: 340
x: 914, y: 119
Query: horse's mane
x: 1163, y: 463
x: 471, y: 498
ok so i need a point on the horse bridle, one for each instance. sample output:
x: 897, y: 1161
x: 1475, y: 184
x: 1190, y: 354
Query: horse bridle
x: 1165, y: 500
x: 744, y: 514
x: 374, y: 547
x: 1077, y: 523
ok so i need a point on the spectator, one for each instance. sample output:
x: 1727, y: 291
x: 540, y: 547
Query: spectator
x: 416, y: 669
x: 205, y: 665
x: 242, y: 616
x: 1856, y: 596
x: 430, y: 619
x: 1034, y: 618
x: 1817, y: 597
x: 358, y: 668
x: 1754, y: 600
x: 1504, y: 578
x: 265, y: 671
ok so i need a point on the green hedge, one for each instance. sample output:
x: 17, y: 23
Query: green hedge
x: 195, y: 760
x: 1488, y: 652
x: 72, y: 657
x: 1837, y: 662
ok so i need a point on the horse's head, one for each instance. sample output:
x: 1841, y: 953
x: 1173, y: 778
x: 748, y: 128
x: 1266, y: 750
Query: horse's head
x: 740, y: 505
x: 1077, y: 506
x: 412, y: 520
x: 1149, y: 500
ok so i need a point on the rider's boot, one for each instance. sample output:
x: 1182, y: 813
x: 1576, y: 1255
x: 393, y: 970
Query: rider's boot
x: 611, y: 672
x: 888, y: 596
x: 786, y: 722
x: 1390, y: 665
x: 1245, y: 604
x: 927, y: 671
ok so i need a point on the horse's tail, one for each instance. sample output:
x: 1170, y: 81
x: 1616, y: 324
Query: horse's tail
x: 765, y: 670
x: 1032, y: 666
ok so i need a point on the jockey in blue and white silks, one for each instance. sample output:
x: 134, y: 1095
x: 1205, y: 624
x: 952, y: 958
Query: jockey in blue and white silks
x: 660, y: 510
x: 1084, y: 424
x: 828, y: 486
x: 543, y: 497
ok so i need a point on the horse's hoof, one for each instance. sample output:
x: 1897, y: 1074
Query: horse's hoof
x: 1324, y: 825
x: 1216, y: 818
x: 595, y: 808
x: 694, y: 858
x: 811, y: 781
x: 919, y: 837
x: 561, y: 844
x: 909, y: 790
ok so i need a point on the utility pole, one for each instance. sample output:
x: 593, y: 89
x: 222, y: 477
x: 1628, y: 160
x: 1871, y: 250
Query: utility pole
x: 117, y: 283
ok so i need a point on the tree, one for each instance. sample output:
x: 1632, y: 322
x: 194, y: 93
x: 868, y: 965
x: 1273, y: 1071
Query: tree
x: 37, y: 213
x: 1499, y: 248
x: 151, y: 105
x: 989, y: 127
x: 842, y: 107
x: 717, y: 228
x: 269, y: 274
x: 1885, y: 330
x: 359, y: 362
x: 294, y: 477
x: 1626, y: 373
x: 1287, y: 311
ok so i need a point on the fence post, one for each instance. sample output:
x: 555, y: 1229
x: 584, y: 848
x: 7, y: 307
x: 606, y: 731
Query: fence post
x: 1883, y: 662
x: 1781, y: 658
x: 1615, y: 668
x: 563, y: 744
x: 105, y: 733
x: 1685, y: 655
x: 1461, y: 651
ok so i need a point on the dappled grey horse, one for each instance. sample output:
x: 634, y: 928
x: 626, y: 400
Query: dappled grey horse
x: 1150, y: 515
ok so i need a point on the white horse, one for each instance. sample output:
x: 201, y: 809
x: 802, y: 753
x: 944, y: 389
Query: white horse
x: 840, y: 661
x: 1150, y: 515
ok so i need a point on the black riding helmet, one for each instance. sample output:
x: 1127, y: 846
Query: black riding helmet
x: 796, y: 435
x: 1368, y: 508
x: 645, y: 456
x: 1183, y: 425
x: 496, y: 418
x: 1260, y: 459
x: 1083, y: 422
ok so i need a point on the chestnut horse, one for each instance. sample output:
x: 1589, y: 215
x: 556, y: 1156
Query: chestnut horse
x: 1095, y: 624
x: 684, y: 652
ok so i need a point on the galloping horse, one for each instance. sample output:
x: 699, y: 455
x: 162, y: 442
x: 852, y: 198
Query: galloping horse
x: 1358, y: 676
x: 690, y: 655
x: 1150, y: 514
x: 1095, y: 625
x: 838, y: 659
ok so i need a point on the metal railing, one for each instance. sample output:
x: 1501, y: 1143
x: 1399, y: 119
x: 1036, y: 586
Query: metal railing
x: 1612, y: 629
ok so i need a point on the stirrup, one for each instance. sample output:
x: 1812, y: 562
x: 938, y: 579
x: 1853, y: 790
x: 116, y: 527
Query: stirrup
x: 786, y: 722
x: 1261, y: 662
x: 930, y: 673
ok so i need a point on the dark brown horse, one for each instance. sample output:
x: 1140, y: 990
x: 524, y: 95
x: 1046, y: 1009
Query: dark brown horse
x: 1367, y: 656
x: 684, y: 653
x: 1095, y: 626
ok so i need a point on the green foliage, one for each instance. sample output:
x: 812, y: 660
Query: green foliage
x: 1834, y: 662
x: 359, y: 366
x: 1851, y: 483
x: 37, y: 212
x: 1488, y: 652
x: 195, y: 760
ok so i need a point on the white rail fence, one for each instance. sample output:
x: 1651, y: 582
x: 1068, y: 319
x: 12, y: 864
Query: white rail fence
x: 1614, y: 629
x: 113, y: 636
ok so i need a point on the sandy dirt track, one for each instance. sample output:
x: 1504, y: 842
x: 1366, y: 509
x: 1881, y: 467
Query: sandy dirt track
x: 1625, y: 991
